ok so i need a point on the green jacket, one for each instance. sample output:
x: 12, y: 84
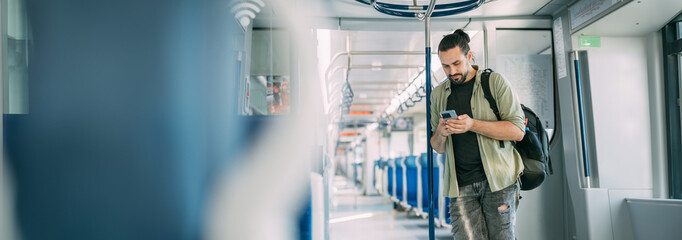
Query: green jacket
x: 502, y: 166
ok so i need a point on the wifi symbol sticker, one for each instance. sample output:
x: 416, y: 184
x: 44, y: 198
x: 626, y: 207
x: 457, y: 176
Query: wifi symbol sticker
x: 244, y: 11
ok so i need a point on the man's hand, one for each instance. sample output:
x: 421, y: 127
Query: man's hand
x: 439, y: 137
x: 443, y: 130
x: 463, y: 123
x: 498, y: 130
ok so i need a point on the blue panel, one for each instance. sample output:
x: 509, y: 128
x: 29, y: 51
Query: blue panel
x: 132, y: 117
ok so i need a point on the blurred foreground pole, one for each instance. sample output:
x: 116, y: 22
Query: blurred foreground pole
x: 131, y: 115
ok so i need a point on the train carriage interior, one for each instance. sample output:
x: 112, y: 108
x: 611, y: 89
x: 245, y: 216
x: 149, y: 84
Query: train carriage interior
x: 312, y: 119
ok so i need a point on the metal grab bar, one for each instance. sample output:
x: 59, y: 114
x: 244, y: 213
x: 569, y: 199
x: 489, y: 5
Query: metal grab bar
x: 427, y: 83
x: 416, y: 11
x: 413, y: 97
x: 424, y: 7
x: 429, y: 14
x: 581, y: 112
x: 331, y: 71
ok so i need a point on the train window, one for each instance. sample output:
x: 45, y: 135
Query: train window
x: 524, y: 57
x: 15, y: 61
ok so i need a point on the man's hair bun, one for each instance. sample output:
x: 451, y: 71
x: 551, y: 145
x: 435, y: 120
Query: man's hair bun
x: 459, y: 38
x: 463, y: 35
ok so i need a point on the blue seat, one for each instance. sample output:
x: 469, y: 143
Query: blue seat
x: 446, y: 201
x: 447, y: 210
x: 399, y: 179
x: 411, y: 175
x: 390, y: 177
x: 357, y: 174
x: 384, y: 176
x: 377, y: 164
x: 423, y: 160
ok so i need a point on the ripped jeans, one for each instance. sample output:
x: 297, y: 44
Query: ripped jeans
x: 479, y: 213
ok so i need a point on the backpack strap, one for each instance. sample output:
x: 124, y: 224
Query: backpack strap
x: 485, y: 80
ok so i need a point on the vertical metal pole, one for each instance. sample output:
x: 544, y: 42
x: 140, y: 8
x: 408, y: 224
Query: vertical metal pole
x: 583, y: 137
x: 429, y: 149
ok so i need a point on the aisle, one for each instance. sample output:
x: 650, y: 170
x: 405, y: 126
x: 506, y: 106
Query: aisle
x: 358, y: 217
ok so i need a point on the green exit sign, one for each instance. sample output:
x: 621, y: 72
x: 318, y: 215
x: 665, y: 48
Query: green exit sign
x: 589, y: 41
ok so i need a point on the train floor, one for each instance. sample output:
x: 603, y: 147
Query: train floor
x: 356, y: 217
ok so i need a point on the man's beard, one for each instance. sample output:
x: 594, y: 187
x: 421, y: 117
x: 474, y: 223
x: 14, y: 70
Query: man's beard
x: 461, y: 79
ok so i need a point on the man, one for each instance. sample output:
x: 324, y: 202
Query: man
x: 481, y: 175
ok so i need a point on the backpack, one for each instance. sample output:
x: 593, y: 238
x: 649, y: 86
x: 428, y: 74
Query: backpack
x: 534, y: 148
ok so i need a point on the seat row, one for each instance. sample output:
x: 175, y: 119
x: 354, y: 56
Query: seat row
x: 405, y: 181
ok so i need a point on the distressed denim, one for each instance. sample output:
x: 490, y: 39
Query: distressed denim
x: 475, y: 214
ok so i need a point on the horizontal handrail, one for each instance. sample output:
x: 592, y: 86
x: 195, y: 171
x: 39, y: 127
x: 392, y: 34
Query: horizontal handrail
x: 418, y: 11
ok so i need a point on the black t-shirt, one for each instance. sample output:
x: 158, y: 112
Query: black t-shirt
x: 468, y: 162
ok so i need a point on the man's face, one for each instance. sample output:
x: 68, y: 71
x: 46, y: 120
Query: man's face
x: 456, y: 64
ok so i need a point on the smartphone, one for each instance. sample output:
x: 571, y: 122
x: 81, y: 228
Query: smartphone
x: 449, y: 114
